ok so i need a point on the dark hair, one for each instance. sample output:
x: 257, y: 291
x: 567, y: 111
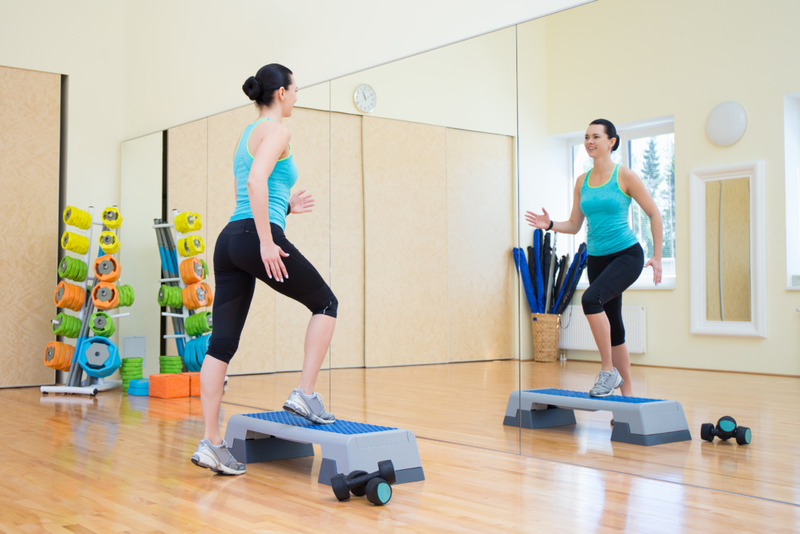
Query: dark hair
x: 611, y: 131
x: 269, y: 78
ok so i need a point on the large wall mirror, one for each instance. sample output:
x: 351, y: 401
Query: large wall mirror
x: 413, y: 226
x: 429, y: 264
x: 720, y: 219
x: 417, y: 210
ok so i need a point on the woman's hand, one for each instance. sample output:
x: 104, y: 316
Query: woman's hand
x: 271, y: 256
x: 655, y: 263
x: 538, y: 221
x: 300, y: 203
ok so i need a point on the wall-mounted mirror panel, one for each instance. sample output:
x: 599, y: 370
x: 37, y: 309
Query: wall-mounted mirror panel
x: 669, y: 68
x: 412, y: 227
x: 419, y: 195
x: 727, y: 213
x: 424, y: 188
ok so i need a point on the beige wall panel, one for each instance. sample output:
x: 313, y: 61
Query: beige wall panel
x: 480, y: 237
x: 309, y: 232
x: 736, y: 249
x: 347, y: 240
x: 256, y: 353
x: 187, y: 174
x: 29, y: 161
x: 734, y: 227
x: 405, y: 209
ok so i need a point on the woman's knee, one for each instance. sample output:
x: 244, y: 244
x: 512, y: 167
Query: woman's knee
x: 222, y: 349
x: 330, y: 307
x: 591, y: 302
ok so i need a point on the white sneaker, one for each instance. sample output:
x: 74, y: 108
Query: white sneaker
x: 606, y: 383
x: 217, y: 458
x: 309, y: 407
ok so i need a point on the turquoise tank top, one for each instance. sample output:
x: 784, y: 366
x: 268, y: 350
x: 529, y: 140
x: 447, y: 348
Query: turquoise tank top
x: 606, y: 208
x: 280, y: 182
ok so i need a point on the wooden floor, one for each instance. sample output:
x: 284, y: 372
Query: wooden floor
x: 120, y: 464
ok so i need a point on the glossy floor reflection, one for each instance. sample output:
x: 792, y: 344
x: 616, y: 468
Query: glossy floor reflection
x: 121, y: 464
x: 768, y: 468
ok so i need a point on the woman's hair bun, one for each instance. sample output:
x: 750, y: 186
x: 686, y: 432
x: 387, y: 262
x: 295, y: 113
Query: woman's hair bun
x: 262, y: 87
x: 252, y: 88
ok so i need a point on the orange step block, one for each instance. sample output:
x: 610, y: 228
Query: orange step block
x: 194, y: 386
x: 169, y: 386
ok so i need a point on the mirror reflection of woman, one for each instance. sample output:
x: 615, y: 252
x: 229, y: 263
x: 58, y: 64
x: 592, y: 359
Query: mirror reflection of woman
x: 603, y: 196
x: 253, y: 247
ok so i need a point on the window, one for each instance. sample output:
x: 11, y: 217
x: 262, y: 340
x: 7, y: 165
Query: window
x: 791, y: 125
x: 649, y: 150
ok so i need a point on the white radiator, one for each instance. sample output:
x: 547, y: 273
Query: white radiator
x: 576, y: 335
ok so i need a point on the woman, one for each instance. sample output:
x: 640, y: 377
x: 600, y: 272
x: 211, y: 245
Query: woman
x: 603, y: 195
x: 253, y: 246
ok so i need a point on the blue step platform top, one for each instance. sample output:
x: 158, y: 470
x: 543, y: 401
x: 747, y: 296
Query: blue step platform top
x: 339, y: 427
x: 584, y: 395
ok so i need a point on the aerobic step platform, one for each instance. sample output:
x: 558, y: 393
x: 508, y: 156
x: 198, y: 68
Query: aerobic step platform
x: 636, y: 420
x: 346, y: 446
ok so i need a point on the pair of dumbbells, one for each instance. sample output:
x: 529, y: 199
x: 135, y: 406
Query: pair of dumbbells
x: 376, y: 486
x: 726, y: 429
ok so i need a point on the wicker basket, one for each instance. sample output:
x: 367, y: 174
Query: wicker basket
x: 546, y: 327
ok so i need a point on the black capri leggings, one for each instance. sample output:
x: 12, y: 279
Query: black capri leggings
x: 237, y: 264
x: 609, y: 276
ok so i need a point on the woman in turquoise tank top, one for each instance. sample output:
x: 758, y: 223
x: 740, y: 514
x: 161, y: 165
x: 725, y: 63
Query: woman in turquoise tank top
x: 603, y: 196
x: 253, y: 247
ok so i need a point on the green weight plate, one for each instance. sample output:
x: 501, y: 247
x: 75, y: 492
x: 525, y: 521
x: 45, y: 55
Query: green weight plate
x: 130, y: 360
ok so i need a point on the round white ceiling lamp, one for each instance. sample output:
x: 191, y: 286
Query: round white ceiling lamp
x: 726, y: 123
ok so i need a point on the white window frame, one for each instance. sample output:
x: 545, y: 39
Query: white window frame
x: 791, y: 138
x: 627, y: 132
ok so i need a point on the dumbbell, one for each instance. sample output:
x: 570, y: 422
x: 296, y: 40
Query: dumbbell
x: 726, y: 429
x: 376, y: 486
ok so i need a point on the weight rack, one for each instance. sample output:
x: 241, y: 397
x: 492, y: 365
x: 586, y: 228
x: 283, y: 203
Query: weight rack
x: 76, y: 384
x: 170, y: 272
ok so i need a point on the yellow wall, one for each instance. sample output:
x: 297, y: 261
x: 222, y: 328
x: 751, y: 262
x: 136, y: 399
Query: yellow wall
x: 626, y: 60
